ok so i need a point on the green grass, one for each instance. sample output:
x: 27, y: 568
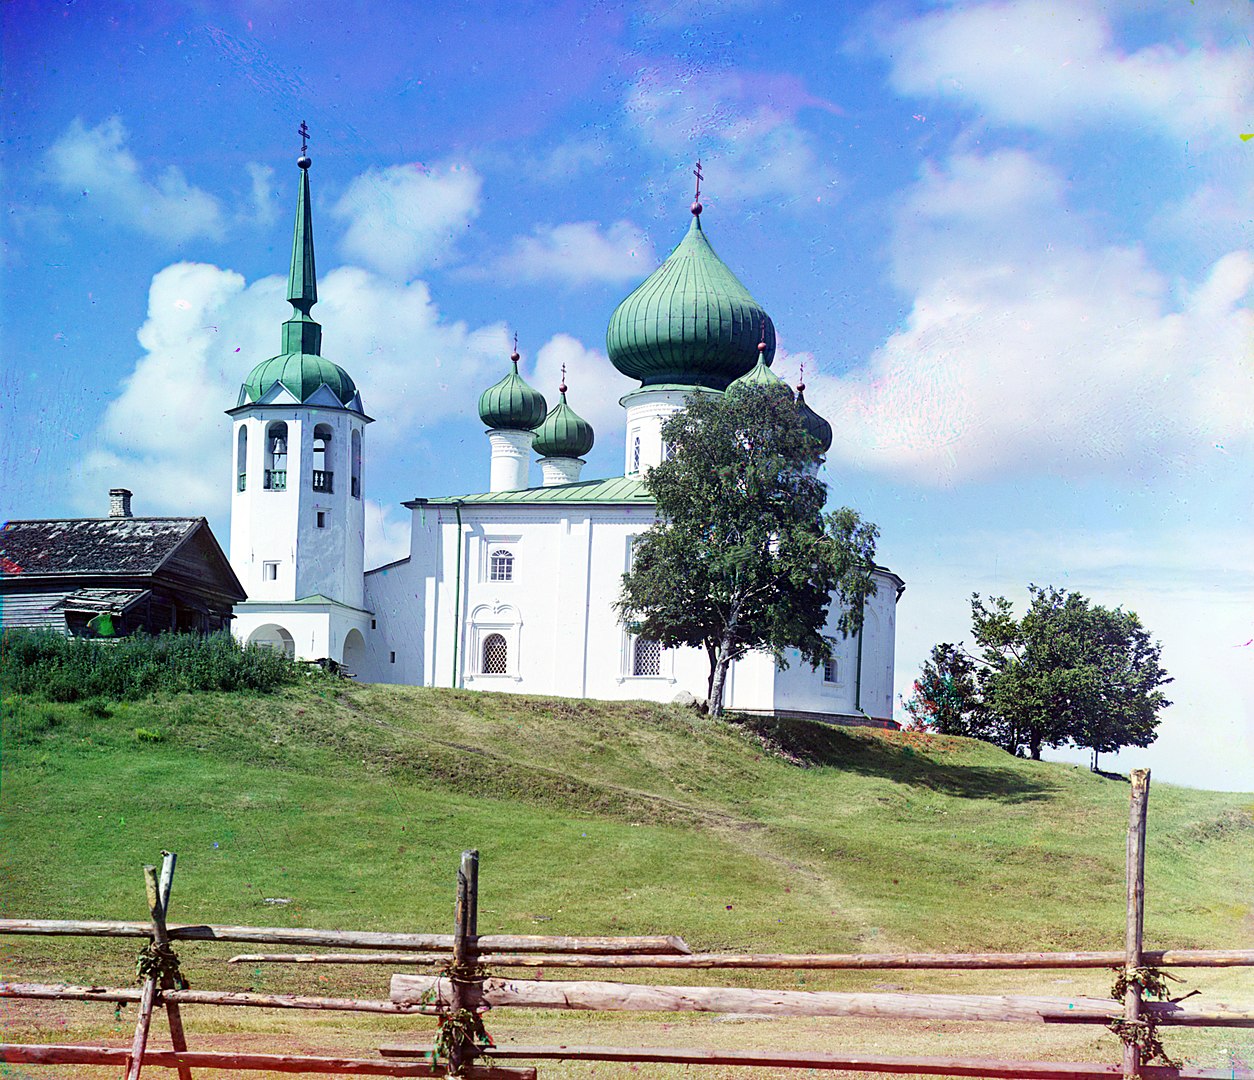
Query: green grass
x: 353, y: 802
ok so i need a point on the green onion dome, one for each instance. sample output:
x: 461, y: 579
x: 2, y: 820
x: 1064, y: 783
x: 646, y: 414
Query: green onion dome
x: 819, y: 428
x: 301, y: 374
x: 564, y: 432
x: 691, y: 322
x: 511, y: 405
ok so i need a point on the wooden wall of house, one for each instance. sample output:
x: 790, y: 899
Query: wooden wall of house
x: 30, y: 608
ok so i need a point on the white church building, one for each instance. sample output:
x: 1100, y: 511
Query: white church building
x: 512, y: 589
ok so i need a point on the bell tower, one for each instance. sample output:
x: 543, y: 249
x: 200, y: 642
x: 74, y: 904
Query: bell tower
x: 298, y: 501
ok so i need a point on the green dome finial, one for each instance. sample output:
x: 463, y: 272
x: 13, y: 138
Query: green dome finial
x: 564, y: 432
x: 512, y: 405
x: 690, y: 322
x: 300, y: 367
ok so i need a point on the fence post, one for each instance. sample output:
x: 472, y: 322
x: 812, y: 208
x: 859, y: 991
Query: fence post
x: 144, y: 1020
x: 178, y: 1038
x: 465, y: 957
x: 1134, y: 938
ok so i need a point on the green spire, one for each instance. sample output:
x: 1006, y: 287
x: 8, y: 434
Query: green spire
x: 300, y: 333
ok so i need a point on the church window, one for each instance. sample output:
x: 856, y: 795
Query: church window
x: 393, y: 659
x: 355, y: 485
x: 321, y: 516
x: 495, y: 655
x: 269, y: 571
x: 635, y: 454
x: 831, y: 673
x: 501, y: 565
x: 276, y: 457
x: 241, y: 459
x: 646, y: 657
x: 322, y: 474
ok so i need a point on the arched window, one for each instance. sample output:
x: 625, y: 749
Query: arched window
x: 830, y: 671
x: 322, y: 474
x: 646, y: 657
x: 495, y: 655
x: 501, y: 565
x: 356, y: 465
x: 276, y: 457
x: 241, y: 459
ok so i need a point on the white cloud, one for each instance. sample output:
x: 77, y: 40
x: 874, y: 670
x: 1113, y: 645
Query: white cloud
x: 1053, y: 64
x: 265, y: 210
x: 577, y: 253
x: 1029, y: 348
x: 404, y: 218
x: 744, y: 130
x: 96, y: 164
x: 164, y: 435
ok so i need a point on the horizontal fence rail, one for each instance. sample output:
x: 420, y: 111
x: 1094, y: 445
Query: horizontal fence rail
x: 1190, y: 958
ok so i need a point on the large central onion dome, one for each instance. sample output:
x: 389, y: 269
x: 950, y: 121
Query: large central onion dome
x: 690, y: 323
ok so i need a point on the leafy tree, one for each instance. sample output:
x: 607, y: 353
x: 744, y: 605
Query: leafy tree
x: 742, y: 555
x: 1069, y: 672
x: 946, y: 694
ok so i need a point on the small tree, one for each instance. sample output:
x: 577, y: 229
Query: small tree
x: 1070, y: 671
x: 742, y: 556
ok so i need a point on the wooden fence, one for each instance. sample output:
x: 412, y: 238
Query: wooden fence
x: 465, y: 990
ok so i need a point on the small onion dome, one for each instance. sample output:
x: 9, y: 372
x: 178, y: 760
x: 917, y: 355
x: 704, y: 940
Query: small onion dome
x: 691, y: 322
x: 564, y: 433
x: 511, y: 405
x: 761, y: 375
x: 301, y: 374
x: 819, y: 429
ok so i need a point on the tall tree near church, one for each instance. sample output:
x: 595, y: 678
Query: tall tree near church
x: 742, y: 555
x: 1068, y: 672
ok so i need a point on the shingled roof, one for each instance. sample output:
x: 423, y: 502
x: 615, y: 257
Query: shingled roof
x: 114, y: 545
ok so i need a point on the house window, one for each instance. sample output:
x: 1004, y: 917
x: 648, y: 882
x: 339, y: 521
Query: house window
x: 495, y: 655
x: 269, y: 571
x: 830, y: 672
x: 321, y: 516
x: 501, y: 565
x: 646, y: 657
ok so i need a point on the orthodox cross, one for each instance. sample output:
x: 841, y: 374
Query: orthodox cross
x: 697, y: 173
x: 304, y: 138
x: 562, y: 388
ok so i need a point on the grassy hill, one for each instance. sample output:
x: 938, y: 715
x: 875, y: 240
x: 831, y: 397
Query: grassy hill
x: 353, y: 801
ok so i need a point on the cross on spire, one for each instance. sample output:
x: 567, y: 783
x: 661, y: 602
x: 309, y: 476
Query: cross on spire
x: 561, y: 388
x: 801, y: 379
x: 304, y: 138
x: 514, y: 355
x: 696, y: 199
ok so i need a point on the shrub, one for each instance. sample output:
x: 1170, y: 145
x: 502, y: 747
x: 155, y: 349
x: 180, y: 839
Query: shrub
x: 59, y: 668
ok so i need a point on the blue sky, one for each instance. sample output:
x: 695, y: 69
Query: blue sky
x: 1010, y: 242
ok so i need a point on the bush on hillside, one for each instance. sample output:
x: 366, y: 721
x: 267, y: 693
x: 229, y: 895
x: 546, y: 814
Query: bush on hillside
x: 60, y: 668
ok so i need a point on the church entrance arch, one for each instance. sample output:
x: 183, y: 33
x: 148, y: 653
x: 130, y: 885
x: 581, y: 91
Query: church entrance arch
x: 354, y: 652
x: 273, y: 636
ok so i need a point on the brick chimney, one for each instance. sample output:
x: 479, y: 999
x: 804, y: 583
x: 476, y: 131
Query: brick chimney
x: 119, y: 503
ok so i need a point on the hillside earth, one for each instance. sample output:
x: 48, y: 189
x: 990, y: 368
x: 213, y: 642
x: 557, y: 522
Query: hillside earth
x: 337, y: 805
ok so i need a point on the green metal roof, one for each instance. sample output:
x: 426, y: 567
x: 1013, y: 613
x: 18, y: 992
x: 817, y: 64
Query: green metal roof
x: 302, y: 374
x: 300, y: 366
x: 619, y: 490
x: 690, y: 322
x: 512, y: 405
x: 564, y: 433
